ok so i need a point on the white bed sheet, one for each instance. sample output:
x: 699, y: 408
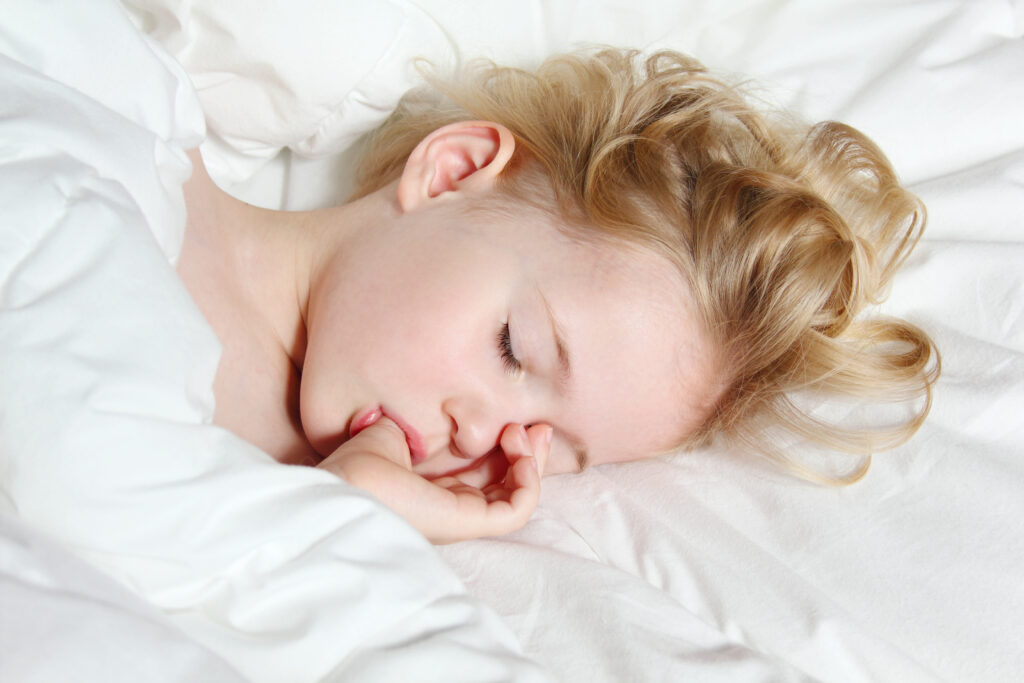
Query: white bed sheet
x: 715, y: 567
x: 914, y: 574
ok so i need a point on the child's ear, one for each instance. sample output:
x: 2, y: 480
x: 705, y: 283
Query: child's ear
x: 460, y: 157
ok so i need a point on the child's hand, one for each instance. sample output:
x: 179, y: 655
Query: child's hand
x: 445, y: 510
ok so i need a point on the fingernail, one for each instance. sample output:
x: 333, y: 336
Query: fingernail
x: 549, y: 433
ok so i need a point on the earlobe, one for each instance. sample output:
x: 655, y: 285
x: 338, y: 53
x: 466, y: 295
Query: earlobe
x: 461, y: 157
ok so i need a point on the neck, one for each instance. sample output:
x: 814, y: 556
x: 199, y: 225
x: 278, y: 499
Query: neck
x: 263, y: 261
x: 255, y: 274
x: 287, y: 253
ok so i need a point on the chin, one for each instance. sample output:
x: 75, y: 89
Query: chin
x: 323, y: 446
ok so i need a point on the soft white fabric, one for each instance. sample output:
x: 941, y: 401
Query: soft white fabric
x: 913, y: 574
x: 710, y: 566
x: 63, y: 620
x: 706, y: 566
x: 303, y: 74
x: 285, y: 573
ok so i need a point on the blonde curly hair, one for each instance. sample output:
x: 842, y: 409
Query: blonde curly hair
x: 785, y: 232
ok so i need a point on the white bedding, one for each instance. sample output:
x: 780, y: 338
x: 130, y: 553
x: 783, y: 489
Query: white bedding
x: 707, y: 565
x: 283, y: 573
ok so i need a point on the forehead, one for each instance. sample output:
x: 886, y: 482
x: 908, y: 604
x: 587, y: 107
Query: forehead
x: 642, y: 361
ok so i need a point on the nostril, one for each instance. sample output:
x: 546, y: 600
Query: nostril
x: 454, y: 448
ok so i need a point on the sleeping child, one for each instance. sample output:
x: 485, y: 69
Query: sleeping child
x: 609, y: 258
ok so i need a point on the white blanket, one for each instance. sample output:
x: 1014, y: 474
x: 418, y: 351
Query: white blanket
x: 706, y: 566
x: 285, y: 573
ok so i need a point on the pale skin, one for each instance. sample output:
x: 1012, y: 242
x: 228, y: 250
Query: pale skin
x: 438, y: 357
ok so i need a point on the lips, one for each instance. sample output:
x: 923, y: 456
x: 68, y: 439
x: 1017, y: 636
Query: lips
x: 413, y: 439
x: 417, y: 447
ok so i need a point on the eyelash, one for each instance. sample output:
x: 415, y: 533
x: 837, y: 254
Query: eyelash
x: 508, y: 357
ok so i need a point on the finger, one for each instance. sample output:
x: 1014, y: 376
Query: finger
x: 540, y: 439
x: 522, y: 488
x: 495, y: 510
x: 489, y: 469
x: 382, y: 438
x: 446, y: 482
x: 364, y: 418
x: 515, y: 443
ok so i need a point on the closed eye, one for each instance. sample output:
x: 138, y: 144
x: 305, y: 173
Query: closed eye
x: 508, y: 357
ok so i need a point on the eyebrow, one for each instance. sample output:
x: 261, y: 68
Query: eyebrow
x: 564, y: 375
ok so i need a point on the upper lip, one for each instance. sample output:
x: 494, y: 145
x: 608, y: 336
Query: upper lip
x: 417, y: 447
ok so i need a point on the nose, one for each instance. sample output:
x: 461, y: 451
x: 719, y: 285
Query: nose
x: 475, y: 427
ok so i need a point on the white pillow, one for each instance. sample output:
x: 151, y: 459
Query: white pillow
x: 303, y: 74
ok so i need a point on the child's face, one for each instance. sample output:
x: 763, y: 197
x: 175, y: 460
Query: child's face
x: 605, y: 343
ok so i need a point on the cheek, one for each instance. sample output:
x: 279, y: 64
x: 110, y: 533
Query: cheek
x: 402, y: 329
x: 561, y: 459
x: 396, y: 347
